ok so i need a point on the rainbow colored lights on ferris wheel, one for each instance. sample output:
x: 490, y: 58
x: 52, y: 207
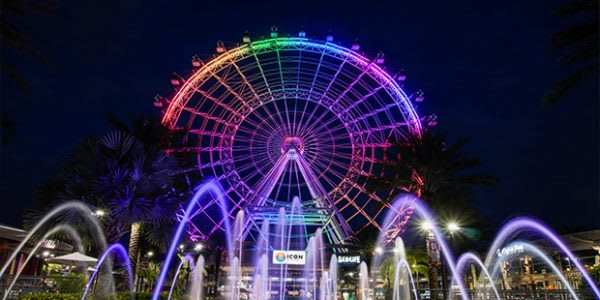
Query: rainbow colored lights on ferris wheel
x: 292, y: 42
x: 292, y: 116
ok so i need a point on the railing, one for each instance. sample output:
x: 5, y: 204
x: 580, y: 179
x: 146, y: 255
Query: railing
x: 35, y: 284
x: 562, y: 294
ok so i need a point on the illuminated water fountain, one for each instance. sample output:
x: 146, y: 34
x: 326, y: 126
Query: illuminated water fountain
x: 320, y: 279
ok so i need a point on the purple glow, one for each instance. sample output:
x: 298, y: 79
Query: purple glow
x: 213, y: 187
x: 539, y: 253
x: 423, y: 210
x: 517, y: 225
x: 330, y: 122
x: 462, y: 262
x: 403, y: 263
x: 118, y: 249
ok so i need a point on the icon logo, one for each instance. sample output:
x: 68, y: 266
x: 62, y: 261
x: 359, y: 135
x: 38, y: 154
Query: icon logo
x: 280, y: 257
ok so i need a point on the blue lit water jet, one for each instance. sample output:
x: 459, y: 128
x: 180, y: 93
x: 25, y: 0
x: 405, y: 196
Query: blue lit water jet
x: 549, y: 262
x: 517, y: 225
x: 120, y: 250
x: 214, y: 188
x: 424, y: 212
x: 403, y: 265
x: 471, y: 257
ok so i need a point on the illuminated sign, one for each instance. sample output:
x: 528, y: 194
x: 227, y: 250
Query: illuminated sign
x: 510, y: 250
x: 282, y: 257
x: 348, y: 259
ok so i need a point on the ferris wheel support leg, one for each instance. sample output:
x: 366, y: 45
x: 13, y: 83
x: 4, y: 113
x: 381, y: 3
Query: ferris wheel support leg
x: 341, y: 229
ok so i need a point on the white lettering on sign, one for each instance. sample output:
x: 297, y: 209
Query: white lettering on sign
x: 349, y: 259
x: 283, y: 257
x: 510, y: 250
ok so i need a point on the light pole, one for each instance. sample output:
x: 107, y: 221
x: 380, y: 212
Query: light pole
x: 433, y: 251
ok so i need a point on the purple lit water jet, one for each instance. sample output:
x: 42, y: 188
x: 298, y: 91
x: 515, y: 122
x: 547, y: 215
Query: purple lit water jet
x: 120, y: 250
x: 403, y: 264
x: 517, y: 225
x: 424, y: 212
x: 212, y: 187
x: 462, y: 262
x: 539, y: 253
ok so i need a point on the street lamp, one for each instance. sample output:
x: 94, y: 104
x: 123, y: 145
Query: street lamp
x: 150, y: 253
x: 427, y: 226
x: 453, y: 227
x: 378, y: 250
x: 99, y: 213
x: 198, y: 247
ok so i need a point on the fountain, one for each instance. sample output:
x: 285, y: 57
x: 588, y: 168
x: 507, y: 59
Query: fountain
x: 67, y: 207
x: 120, y: 250
x: 186, y: 258
x: 210, y: 186
x: 517, y: 225
x: 63, y: 227
x: 197, y: 284
x: 471, y: 257
x: 319, y: 279
x: 527, y: 247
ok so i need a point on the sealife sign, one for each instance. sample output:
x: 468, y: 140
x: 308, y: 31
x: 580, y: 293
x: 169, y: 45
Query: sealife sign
x: 290, y: 257
x: 514, y: 248
x: 348, y: 260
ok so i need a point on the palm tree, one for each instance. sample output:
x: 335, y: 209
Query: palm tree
x: 436, y: 171
x: 127, y: 179
x: 580, y: 42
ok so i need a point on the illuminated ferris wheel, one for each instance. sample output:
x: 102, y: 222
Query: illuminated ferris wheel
x: 290, y: 116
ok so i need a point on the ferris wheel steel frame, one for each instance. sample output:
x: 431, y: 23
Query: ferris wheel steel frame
x: 247, y: 96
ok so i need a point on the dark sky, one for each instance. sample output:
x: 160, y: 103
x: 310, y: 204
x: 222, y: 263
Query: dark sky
x: 484, y: 66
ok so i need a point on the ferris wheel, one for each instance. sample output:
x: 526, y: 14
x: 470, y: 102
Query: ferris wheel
x: 290, y: 116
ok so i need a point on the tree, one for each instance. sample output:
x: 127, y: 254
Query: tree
x: 436, y: 171
x: 580, y: 42
x: 417, y: 260
x: 127, y: 179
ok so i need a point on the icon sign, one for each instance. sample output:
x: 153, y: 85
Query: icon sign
x: 283, y: 257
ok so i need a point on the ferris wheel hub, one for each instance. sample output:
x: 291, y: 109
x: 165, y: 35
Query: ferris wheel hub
x: 292, y: 145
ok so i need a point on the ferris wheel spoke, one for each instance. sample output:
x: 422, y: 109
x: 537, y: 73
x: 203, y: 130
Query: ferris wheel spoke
x: 262, y: 73
x: 323, y: 166
x: 326, y: 91
x: 328, y: 131
x: 288, y: 124
x: 244, y: 108
x: 294, y: 123
x: 358, y: 102
x: 254, y: 93
x: 312, y: 87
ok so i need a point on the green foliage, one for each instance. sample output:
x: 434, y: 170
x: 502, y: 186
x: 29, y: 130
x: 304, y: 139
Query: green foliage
x: 595, y: 273
x: 150, y: 273
x: 70, y: 283
x: 51, y: 296
x: 77, y: 296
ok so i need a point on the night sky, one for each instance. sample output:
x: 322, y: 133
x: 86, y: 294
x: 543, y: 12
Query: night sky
x: 484, y: 66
